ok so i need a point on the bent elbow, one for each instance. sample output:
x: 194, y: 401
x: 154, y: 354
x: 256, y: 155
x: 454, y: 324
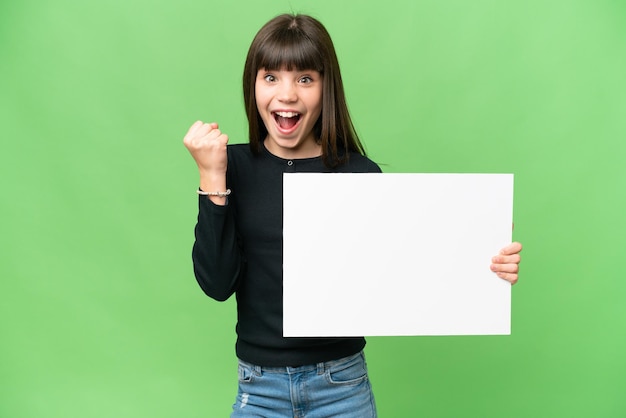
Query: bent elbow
x: 217, y: 286
x: 219, y: 297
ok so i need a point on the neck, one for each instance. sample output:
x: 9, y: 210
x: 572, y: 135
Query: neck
x: 309, y: 149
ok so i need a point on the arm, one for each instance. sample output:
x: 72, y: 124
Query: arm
x: 216, y: 256
x: 217, y: 260
x: 207, y: 145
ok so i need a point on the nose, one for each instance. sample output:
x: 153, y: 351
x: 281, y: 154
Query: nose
x: 287, y: 92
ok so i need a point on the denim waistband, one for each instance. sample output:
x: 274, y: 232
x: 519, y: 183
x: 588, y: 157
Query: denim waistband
x: 320, y: 367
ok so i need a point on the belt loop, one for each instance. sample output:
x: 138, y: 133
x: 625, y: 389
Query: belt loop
x: 321, y: 368
x: 257, y: 370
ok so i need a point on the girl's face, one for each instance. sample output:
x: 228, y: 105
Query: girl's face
x: 290, y: 102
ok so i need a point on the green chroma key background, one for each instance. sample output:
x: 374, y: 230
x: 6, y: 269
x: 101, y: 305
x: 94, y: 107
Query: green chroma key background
x: 100, y: 313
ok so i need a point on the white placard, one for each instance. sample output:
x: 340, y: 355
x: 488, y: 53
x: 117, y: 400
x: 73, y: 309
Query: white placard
x: 373, y: 254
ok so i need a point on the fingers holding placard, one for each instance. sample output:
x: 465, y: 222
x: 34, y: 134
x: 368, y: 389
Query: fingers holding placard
x: 506, y: 264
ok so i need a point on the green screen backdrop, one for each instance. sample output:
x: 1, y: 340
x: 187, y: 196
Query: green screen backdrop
x: 100, y: 314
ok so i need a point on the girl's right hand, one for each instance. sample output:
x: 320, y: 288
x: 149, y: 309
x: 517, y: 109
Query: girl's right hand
x: 207, y: 145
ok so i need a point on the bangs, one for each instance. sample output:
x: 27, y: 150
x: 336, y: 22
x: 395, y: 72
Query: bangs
x: 289, y: 49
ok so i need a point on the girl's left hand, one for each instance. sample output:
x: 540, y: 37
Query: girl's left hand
x: 506, y: 264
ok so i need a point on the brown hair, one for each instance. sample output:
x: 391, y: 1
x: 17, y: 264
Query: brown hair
x: 301, y: 42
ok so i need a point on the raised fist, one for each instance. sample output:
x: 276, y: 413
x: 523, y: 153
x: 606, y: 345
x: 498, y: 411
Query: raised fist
x: 207, y: 145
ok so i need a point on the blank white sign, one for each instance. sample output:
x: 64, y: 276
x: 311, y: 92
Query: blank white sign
x: 373, y: 254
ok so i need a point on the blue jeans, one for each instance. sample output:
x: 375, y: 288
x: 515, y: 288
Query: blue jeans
x: 338, y: 388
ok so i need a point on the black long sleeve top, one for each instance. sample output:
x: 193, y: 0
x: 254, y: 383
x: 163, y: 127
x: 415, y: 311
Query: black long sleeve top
x: 239, y: 249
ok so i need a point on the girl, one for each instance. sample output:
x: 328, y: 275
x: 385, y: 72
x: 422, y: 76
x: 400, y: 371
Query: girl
x: 298, y: 122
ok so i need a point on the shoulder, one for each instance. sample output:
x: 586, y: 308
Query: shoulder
x: 358, y: 163
x: 242, y: 162
x: 239, y: 150
x: 240, y: 155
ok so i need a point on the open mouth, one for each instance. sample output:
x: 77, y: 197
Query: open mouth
x: 287, y: 120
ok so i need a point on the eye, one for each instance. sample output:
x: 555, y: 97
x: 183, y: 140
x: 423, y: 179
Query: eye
x: 269, y: 78
x: 306, y: 79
